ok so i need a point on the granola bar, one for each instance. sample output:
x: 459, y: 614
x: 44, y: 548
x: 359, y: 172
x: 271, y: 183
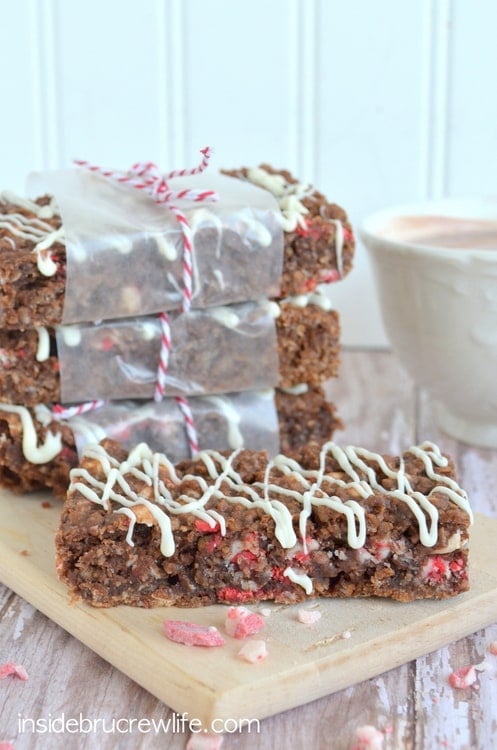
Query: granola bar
x: 248, y: 346
x: 237, y: 527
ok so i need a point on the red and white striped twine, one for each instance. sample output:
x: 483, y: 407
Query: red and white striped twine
x: 66, y: 412
x: 165, y: 348
x: 191, y: 431
x: 146, y: 176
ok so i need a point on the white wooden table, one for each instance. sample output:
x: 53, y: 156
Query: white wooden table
x: 413, y: 703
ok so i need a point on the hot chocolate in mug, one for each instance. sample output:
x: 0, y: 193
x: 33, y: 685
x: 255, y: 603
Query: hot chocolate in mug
x: 435, y: 267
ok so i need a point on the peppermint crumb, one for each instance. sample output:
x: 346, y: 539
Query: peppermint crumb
x: 493, y: 648
x: 240, y: 622
x: 6, y: 746
x: 368, y: 738
x: 463, y: 678
x: 14, y: 670
x: 308, y: 616
x: 253, y: 651
x: 191, y: 634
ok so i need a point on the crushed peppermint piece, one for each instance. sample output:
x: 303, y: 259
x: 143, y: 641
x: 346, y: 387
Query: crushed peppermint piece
x: 265, y: 612
x: 6, y: 746
x: 191, y: 634
x: 463, y: 677
x: 204, y: 742
x: 493, y: 648
x: 368, y: 738
x: 346, y: 634
x: 253, y: 651
x: 241, y: 622
x: 308, y: 616
x: 16, y: 670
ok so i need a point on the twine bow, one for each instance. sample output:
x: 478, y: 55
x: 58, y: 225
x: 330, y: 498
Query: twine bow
x: 145, y: 176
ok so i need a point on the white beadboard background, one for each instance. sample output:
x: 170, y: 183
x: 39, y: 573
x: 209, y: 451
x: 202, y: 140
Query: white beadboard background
x: 374, y: 102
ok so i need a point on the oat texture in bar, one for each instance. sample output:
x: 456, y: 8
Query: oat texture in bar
x: 238, y: 528
x: 248, y: 346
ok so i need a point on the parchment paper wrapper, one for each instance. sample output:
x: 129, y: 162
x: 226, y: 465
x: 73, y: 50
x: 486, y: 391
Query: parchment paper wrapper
x: 124, y: 251
x: 227, y: 422
x: 216, y: 350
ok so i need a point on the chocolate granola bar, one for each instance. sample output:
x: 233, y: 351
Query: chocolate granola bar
x: 37, y: 450
x: 319, y: 241
x: 305, y: 416
x: 231, y: 264
x: 248, y: 346
x: 237, y: 528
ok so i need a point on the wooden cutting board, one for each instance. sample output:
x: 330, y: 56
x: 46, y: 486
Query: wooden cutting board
x: 304, y: 662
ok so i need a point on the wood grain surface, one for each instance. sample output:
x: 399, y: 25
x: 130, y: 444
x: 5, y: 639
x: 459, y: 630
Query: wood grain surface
x: 215, y: 685
x: 413, y: 704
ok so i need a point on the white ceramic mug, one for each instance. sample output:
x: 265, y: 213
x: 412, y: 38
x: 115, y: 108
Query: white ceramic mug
x: 439, y: 307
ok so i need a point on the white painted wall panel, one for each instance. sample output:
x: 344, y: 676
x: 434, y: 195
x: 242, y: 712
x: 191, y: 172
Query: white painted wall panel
x: 376, y: 103
x: 109, y: 81
x: 368, y: 127
x: 240, y: 89
x: 472, y: 135
x: 20, y: 96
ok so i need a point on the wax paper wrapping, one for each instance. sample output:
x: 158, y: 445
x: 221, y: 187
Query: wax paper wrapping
x: 224, y: 422
x: 216, y: 350
x: 124, y: 251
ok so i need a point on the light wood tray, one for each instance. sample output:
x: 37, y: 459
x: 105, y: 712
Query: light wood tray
x: 304, y: 662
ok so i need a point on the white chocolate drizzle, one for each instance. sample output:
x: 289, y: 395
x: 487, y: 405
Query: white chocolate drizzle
x: 165, y: 247
x: 34, y: 453
x: 132, y: 523
x: 255, y: 229
x: 34, y: 229
x: 219, y: 278
x: 301, y: 579
x: 71, y: 334
x: 288, y: 195
x: 271, y: 308
x: 43, y: 212
x: 43, y: 414
x: 318, y: 298
x: 43, y: 348
x: 202, y: 218
x: 235, y: 437
x: 148, y: 329
x: 89, y: 432
x: 314, y: 488
x: 293, y: 211
x: 246, y: 224
x: 225, y: 316
x: 296, y: 390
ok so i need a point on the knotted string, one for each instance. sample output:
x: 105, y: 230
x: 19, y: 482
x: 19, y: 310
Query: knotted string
x: 145, y: 176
